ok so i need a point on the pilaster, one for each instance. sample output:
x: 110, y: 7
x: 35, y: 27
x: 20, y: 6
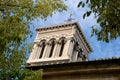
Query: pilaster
x: 56, y: 49
x: 46, y: 51
x: 36, y: 51
x: 33, y: 52
x: 68, y: 49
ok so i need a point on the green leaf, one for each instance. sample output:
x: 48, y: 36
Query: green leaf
x: 88, y: 13
x: 87, y: 1
x: 84, y: 16
x: 83, y: 5
x: 79, y: 4
x: 107, y: 14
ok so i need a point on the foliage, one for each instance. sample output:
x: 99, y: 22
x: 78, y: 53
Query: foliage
x: 15, y: 17
x: 15, y: 21
x: 13, y: 66
x: 12, y: 62
x: 33, y: 75
x: 107, y: 13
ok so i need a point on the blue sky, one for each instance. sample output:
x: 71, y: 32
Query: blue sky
x: 100, y: 49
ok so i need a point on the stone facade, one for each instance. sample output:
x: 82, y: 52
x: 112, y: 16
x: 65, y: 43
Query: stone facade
x: 59, y: 44
x: 86, y: 70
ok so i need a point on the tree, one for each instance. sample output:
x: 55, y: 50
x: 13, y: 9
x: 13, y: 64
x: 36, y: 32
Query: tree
x: 16, y: 15
x: 107, y: 13
x: 12, y: 63
x: 15, y: 22
x: 31, y: 75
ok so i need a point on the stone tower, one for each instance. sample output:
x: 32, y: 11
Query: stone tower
x: 59, y: 44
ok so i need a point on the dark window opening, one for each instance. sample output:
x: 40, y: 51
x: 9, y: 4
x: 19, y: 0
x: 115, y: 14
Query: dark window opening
x: 84, y: 58
x: 79, y: 54
x: 52, y: 48
x: 62, y: 47
x: 42, y: 50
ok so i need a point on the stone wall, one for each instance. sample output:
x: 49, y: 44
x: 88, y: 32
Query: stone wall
x: 88, y: 70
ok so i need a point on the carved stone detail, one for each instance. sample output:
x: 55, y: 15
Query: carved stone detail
x: 60, y: 50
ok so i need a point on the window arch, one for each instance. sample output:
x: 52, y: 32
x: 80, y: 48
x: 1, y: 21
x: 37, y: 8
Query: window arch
x: 52, y: 47
x: 62, y: 41
x: 42, y: 48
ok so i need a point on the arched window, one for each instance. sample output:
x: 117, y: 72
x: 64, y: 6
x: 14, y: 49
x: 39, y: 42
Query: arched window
x: 42, y: 50
x: 52, y: 48
x: 62, y: 41
x: 62, y: 47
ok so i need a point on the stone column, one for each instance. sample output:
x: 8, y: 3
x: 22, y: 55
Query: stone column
x: 48, y: 50
x: 74, y: 56
x: 33, y: 52
x: 38, y: 51
x: 71, y: 47
x: 56, y: 49
x: 45, y: 53
x: 68, y: 48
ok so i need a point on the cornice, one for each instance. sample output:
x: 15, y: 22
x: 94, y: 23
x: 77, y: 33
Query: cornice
x: 91, y: 62
x: 67, y: 24
x: 83, y: 37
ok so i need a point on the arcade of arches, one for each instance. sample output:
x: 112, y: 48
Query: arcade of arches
x: 55, y: 48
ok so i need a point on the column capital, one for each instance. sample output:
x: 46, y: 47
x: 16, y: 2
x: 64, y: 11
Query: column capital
x: 58, y: 42
x: 71, y: 39
x: 40, y: 44
x: 47, y: 43
x: 36, y: 42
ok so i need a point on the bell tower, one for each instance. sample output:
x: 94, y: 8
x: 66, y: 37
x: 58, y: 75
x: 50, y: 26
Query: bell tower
x: 57, y: 44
